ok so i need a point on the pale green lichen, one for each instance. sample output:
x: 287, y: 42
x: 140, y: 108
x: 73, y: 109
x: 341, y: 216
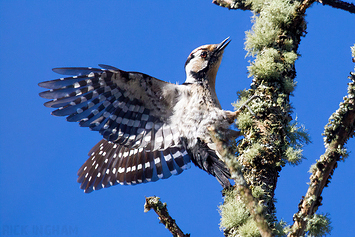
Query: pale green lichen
x: 233, y: 212
x: 282, y: 228
x: 353, y: 51
x: 249, y: 229
x: 244, y: 121
x: 313, y: 168
x: 253, y: 152
x: 258, y: 192
x: 289, y: 85
x: 290, y: 57
x: 297, y: 136
x: 256, y: 4
x: 293, y: 156
x: 318, y: 225
x: 269, y: 24
x: 267, y: 65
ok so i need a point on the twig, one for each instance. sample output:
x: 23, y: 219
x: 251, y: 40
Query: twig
x: 305, y: 5
x: 340, y: 128
x: 349, y: 7
x: 163, y: 215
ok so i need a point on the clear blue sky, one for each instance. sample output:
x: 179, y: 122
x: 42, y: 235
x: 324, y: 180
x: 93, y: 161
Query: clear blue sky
x: 40, y: 153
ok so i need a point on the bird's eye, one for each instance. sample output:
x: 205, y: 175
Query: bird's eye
x: 203, y: 54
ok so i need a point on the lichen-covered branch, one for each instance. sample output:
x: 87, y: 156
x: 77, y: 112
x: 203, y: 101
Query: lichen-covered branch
x: 163, y: 215
x: 244, y: 193
x: 349, y: 7
x: 271, y: 139
x: 234, y: 4
x: 337, y: 132
x: 247, y: 4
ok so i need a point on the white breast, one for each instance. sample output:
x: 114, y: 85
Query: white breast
x: 196, y: 110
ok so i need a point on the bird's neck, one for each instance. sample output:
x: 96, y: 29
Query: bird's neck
x: 205, y: 89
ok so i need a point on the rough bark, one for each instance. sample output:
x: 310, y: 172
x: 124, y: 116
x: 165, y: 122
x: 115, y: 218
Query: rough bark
x: 337, y: 132
x: 163, y: 215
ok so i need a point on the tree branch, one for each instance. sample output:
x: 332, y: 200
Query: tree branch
x: 224, y: 149
x: 233, y: 4
x: 305, y: 5
x: 247, y: 5
x: 163, y: 215
x: 349, y: 7
x: 271, y: 140
x: 337, y: 132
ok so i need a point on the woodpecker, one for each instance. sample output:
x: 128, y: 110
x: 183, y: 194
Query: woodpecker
x: 151, y: 129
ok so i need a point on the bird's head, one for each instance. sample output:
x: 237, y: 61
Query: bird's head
x: 203, y: 63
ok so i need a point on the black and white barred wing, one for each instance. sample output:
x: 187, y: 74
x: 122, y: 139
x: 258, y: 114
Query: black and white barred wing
x: 123, y: 106
x: 131, y: 110
x: 110, y: 164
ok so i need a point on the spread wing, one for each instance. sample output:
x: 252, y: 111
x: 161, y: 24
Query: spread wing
x: 123, y: 106
x: 131, y: 110
x: 110, y: 164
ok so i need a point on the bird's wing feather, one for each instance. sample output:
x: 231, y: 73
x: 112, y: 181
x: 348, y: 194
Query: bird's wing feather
x: 128, y: 108
x: 110, y: 164
x: 132, y: 111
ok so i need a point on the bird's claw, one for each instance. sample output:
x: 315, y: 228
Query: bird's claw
x: 244, y: 105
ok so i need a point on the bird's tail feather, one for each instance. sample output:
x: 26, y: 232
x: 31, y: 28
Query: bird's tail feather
x: 207, y: 159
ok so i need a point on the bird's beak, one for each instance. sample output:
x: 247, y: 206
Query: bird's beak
x: 222, y: 45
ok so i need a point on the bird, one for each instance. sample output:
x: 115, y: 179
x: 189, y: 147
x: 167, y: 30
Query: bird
x: 151, y: 129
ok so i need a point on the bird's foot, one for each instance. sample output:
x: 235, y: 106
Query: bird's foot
x: 233, y: 115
